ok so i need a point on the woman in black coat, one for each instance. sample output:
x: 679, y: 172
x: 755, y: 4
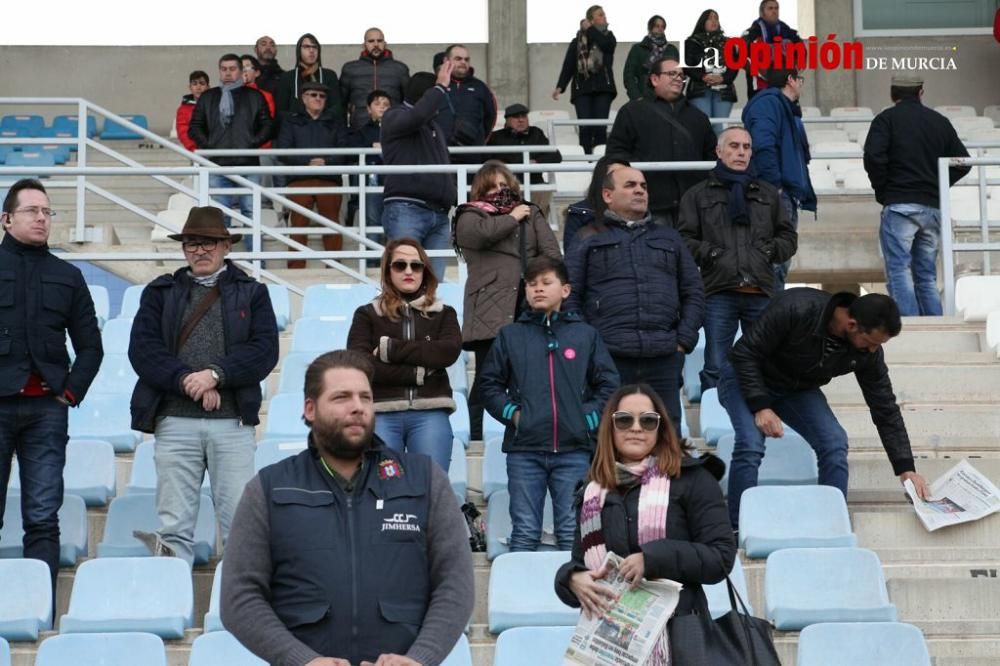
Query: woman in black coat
x: 589, y: 64
x: 682, y: 533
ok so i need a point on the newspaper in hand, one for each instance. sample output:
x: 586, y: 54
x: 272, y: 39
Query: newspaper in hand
x: 963, y: 494
x: 626, y: 634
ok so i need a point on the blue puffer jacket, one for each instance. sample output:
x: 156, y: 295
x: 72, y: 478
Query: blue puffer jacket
x: 780, y: 147
x: 557, y: 373
x: 639, y: 287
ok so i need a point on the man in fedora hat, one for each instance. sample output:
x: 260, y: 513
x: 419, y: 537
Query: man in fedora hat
x: 203, y: 339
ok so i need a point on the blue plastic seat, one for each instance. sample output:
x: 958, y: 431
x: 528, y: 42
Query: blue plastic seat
x: 320, y: 334
x: 718, y: 594
x: 458, y: 376
x: 453, y: 294
x: 114, y: 131
x: 694, y: 363
x: 458, y: 470
x: 71, y: 124
x: 539, y: 646
x: 213, y: 618
x: 862, y: 644
x: 494, y: 465
x: 116, y: 377
x: 284, y: 418
x: 336, y: 299
x: 281, y: 304
x: 103, y: 650
x: 788, y: 461
x: 89, y: 471
x: 492, y: 428
x: 220, y: 648
x: 143, y: 477
x: 804, y: 586
x: 130, y: 301
x: 25, y: 124
x: 521, y: 593
x: 292, y: 377
x: 102, y: 303
x: 30, y: 158
x: 72, y: 529
x: 138, y: 512
x: 499, y: 525
x: 270, y: 451
x: 127, y: 594
x: 459, y: 419
x: 60, y: 152
x: 26, y: 602
x: 4, y: 652
x: 104, y: 417
x: 460, y: 655
x: 116, y: 335
x: 714, y: 420
x: 776, y: 517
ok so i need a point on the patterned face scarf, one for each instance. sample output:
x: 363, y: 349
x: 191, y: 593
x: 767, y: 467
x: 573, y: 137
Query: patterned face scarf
x: 500, y: 202
x: 589, y: 60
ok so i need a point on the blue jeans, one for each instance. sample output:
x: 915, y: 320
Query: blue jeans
x: 36, y: 430
x: 185, y: 449
x: 807, y: 412
x: 426, y: 431
x: 723, y: 312
x: 589, y: 107
x: 529, y: 475
x: 662, y: 373
x: 910, y: 235
x: 244, y: 201
x: 781, y: 270
x: 405, y: 219
x: 713, y: 106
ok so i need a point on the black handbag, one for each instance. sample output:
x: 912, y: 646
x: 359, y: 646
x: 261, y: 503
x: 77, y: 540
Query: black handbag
x: 737, y: 638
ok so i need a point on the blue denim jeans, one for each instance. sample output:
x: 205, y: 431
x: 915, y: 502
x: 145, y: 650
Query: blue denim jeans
x: 662, y: 373
x: 405, y: 219
x: 910, y: 235
x: 781, y: 270
x: 529, y: 475
x: 713, y: 106
x: 724, y: 311
x: 243, y: 201
x: 426, y: 431
x: 185, y: 449
x: 807, y: 412
x: 36, y: 430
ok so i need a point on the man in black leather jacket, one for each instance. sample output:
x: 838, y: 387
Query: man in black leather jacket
x: 805, y: 338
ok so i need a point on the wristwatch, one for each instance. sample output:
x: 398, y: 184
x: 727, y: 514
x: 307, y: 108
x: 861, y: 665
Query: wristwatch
x: 215, y: 376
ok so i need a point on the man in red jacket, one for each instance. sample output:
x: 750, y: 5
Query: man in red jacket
x: 197, y: 84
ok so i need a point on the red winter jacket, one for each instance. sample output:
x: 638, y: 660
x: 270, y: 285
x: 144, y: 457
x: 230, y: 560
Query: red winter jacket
x: 184, y: 113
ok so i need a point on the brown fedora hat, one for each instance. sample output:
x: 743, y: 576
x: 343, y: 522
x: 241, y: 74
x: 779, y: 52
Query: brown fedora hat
x: 206, y: 222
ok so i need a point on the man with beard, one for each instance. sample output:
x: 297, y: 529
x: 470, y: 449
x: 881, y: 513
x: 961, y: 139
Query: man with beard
x: 376, y: 69
x: 270, y: 70
x: 349, y: 552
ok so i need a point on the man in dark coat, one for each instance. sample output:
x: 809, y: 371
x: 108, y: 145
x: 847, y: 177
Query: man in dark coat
x: 763, y: 31
x: 376, y: 69
x: 473, y: 103
x: 518, y: 131
x: 270, y: 70
x: 308, y: 67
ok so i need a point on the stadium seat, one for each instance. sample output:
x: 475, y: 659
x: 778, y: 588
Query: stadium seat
x: 116, y: 335
x: 460, y: 655
x: 714, y: 419
x: 993, y: 331
x: 863, y: 112
x: 137, y: 511
x: 128, y: 594
x: 453, y: 294
x: 143, y: 477
x: 270, y: 451
x: 71, y: 124
x: 31, y: 158
x: 718, y: 594
x: 803, y: 586
x: 459, y: 419
x: 458, y: 470
x: 818, y: 136
x: 336, y: 299
x: 521, y: 593
x: 281, y: 304
x: 293, y: 371
x: 776, y: 517
x: 572, y: 183
x: 72, y: 529
x: 116, y: 376
x: 25, y: 125
x: 694, y: 363
x: 857, y: 180
x: 837, y: 149
x: 4, y: 652
x: 26, y: 602
x: 130, y: 301
x: 221, y: 648
x: 169, y: 222
x: 105, y: 417
x: 965, y: 210
x: 841, y: 167
x: 89, y: 472
x: 181, y: 201
x: 539, y: 646
x: 458, y: 376
x: 809, y: 112
x: 494, y: 465
x: 60, y: 152
x: 823, y: 180
x: 862, y: 644
x: 498, y: 525
x: 789, y: 461
x: 321, y: 334
x: 976, y: 296
x: 956, y: 111
x: 993, y: 113
x: 284, y: 417
x: 968, y: 127
x: 115, y: 131
x: 108, y: 649
x: 213, y: 618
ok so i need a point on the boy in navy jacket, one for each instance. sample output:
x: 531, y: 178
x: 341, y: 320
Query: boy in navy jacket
x: 547, y: 378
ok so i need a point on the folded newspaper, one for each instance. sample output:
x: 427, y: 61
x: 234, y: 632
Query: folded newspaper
x: 626, y: 634
x: 963, y: 494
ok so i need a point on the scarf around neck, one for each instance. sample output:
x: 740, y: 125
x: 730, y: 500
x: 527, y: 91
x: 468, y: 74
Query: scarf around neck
x: 589, y: 60
x: 657, y: 45
x: 630, y: 224
x: 735, y: 181
x: 226, y: 106
x: 207, y: 280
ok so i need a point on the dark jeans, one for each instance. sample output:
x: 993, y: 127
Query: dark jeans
x: 724, y: 311
x: 529, y: 475
x: 662, y: 373
x: 480, y: 348
x: 36, y: 430
x: 597, y: 105
x: 807, y: 412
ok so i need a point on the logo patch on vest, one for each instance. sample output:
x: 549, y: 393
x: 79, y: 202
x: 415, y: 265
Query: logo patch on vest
x: 400, y: 522
x: 388, y: 469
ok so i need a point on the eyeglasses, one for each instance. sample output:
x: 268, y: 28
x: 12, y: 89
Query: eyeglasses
x: 673, y: 75
x: 206, y: 244
x: 33, y: 211
x: 648, y: 421
x: 400, y: 266
x: 318, y: 95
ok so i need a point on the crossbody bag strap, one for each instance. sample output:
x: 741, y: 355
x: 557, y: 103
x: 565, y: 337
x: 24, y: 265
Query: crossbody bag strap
x: 196, y: 316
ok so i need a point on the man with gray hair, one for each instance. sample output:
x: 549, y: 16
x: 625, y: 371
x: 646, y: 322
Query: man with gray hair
x: 736, y: 228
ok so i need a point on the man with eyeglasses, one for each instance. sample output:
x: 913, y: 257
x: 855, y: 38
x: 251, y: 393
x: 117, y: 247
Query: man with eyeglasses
x: 308, y: 67
x: 42, y: 300
x: 663, y: 128
x: 202, y: 341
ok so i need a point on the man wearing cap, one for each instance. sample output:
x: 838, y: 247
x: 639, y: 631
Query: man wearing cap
x: 316, y: 127
x: 901, y: 157
x: 202, y: 341
x: 517, y: 131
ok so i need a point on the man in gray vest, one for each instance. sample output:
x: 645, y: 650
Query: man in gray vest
x: 349, y: 553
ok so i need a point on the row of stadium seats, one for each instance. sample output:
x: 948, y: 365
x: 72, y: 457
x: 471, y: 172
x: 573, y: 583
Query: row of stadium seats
x: 33, y: 126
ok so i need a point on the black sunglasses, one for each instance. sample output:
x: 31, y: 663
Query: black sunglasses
x: 400, y: 266
x: 625, y: 420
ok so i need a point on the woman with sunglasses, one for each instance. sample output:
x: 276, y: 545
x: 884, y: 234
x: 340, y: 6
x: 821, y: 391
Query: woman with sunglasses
x: 649, y: 501
x: 414, y: 337
x: 497, y: 234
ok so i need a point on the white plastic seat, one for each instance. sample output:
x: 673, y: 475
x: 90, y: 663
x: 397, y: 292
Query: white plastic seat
x: 953, y: 111
x: 857, y: 180
x: 336, y: 299
x: 976, y: 296
x: 967, y: 127
x: 181, y: 201
x: 171, y: 221
x: 825, y: 135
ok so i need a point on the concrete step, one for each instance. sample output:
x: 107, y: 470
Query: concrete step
x: 898, y: 536
x: 927, y: 384
x: 931, y: 425
x: 872, y: 481
x: 966, y: 607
